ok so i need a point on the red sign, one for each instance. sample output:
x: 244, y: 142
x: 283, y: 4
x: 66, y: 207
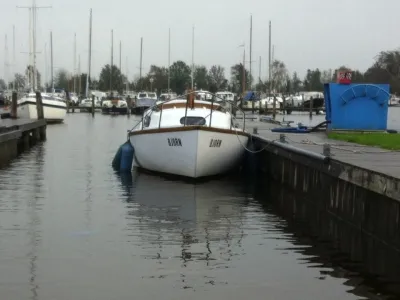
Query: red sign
x: 344, y: 77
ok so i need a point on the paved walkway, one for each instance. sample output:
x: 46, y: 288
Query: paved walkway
x: 372, y: 158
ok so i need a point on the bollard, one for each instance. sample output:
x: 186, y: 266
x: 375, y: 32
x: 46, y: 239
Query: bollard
x: 327, y: 150
x: 255, y: 130
x: 92, y: 105
x: 14, y: 105
x: 39, y: 106
x: 282, y: 138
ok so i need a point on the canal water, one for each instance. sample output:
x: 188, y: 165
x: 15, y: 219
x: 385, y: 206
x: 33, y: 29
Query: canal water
x: 70, y: 228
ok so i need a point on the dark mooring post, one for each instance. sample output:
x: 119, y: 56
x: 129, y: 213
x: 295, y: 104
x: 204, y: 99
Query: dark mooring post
x: 39, y: 106
x: 14, y: 105
x: 274, y: 108
x: 283, y: 109
x: 92, y: 105
x: 311, y: 106
x: 129, y: 105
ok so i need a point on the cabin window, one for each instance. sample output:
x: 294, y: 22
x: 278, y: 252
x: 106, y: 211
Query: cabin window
x: 193, y: 121
x: 142, y: 95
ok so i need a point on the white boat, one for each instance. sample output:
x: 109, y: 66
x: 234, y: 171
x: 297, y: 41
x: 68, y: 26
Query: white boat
x: 114, y: 106
x: 54, y: 108
x: 143, y: 101
x: 192, y: 138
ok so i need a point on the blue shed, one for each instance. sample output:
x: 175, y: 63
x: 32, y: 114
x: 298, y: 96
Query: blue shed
x: 356, y: 106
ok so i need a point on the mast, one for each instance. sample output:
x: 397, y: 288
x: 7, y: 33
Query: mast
x: 269, y: 59
x: 259, y: 69
x: 244, y: 71
x: 251, y: 52
x: 32, y: 41
x: 127, y: 76
x: 89, y: 54
x: 120, y: 56
x: 51, y: 61
x: 141, y: 57
x: 169, y: 57
x: 112, y: 58
x: 13, y: 63
x: 45, y: 66
x: 192, y: 57
x: 80, y: 77
x: 29, y: 71
x: 6, y: 61
x: 75, y: 63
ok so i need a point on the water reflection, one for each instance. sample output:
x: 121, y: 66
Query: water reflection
x: 204, y: 219
x: 34, y: 221
x: 339, y: 250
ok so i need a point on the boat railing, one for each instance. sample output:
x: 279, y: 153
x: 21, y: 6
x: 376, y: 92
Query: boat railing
x: 190, y: 102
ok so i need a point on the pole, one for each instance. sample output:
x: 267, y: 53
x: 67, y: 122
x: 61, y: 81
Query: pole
x: 89, y: 54
x: 80, y: 77
x: 251, y: 50
x: 141, y: 57
x: 51, y: 62
x: 120, y: 56
x: 5, y: 61
x: 45, y: 67
x: 259, y: 69
x: 269, y: 60
x: 169, y: 57
x: 13, y: 68
x: 192, y: 58
x: 75, y: 63
x: 32, y: 41
x: 243, y: 75
x: 112, y: 58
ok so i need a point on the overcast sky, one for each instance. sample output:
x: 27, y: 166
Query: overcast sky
x: 306, y: 33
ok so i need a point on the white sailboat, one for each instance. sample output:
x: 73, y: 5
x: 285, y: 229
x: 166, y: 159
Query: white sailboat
x: 188, y: 137
x: 54, y: 108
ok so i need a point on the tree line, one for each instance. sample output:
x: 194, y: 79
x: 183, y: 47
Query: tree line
x: 386, y: 69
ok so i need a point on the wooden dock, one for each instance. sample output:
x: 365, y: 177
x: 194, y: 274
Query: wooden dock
x: 18, y: 135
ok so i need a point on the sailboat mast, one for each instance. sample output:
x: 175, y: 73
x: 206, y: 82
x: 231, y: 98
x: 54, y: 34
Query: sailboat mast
x: 251, y: 50
x: 29, y: 71
x: 13, y: 64
x: 34, y: 45
x: 192, y: 57
x: 269, y: 59
x: 141, y: 57
x: 120, y: 56
x: 45, y: 66
x: 90, y: 55
x: 80, y: 77
x: 169, y: 58
x: 112, y: 57
x: 5, y: 61
x: 75, y: 63
x: 51, y: 62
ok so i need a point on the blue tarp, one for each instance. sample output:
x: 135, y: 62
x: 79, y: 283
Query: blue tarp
x: 251, y: 96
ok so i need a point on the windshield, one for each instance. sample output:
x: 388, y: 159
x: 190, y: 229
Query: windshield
x: 142, y: 95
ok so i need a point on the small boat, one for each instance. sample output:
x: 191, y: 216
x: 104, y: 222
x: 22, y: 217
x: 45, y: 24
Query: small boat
x: 54, y: 108
x: 115, y: 105
x: 143, y: 101
x: 188, y: 137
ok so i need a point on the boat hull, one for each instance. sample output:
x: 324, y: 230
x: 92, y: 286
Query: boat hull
x: 190, y: 152
x: 139, y: 110
x: 114, y: 110
x: 53, y: 112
